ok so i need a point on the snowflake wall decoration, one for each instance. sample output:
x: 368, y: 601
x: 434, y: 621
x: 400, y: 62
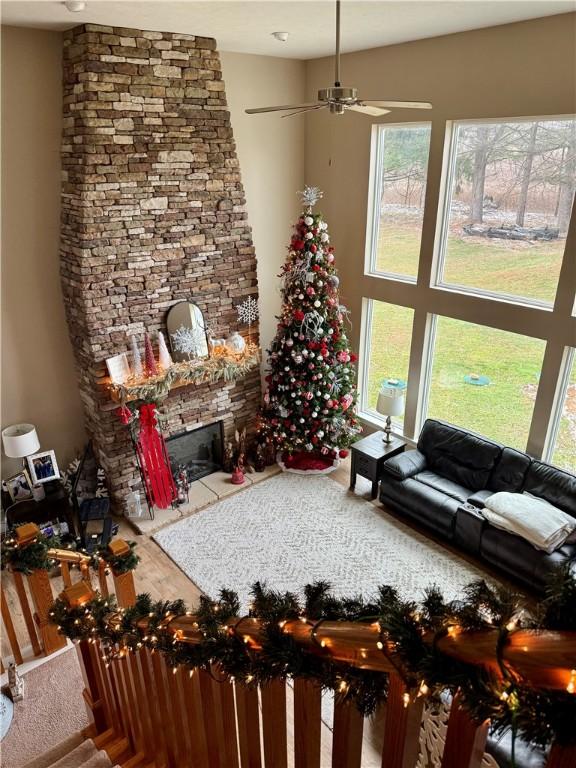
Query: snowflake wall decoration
x: 248, y: 310
x: 189, y: 341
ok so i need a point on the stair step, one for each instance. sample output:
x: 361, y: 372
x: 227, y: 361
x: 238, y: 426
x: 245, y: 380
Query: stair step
x: 60, y: 750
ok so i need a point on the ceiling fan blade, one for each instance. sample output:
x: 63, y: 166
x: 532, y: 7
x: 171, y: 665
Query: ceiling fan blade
x: 368, y: 110
x: 399, y: 104
x: 307, y: 109
x: 279, y: 108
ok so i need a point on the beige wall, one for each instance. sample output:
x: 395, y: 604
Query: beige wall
x: 271, y: 154
x: 523, y: 69
x: 38, y: 377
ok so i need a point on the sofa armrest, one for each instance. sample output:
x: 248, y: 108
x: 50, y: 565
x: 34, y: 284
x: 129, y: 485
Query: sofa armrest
x: 405, y: 465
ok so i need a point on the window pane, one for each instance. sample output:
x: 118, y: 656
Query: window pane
x: 565, y: 448
x: 388, y: 349
x: 485, y: 380
x: 509, y: 204
x: 398, y: 207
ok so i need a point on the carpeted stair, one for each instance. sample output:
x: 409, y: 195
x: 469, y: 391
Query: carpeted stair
x: 74, y: 752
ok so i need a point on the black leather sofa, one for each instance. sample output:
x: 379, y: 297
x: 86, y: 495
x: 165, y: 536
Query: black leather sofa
x: 445, y: 481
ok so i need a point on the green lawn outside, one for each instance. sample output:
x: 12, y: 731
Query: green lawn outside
x: 501, y: 410
x: 521, y: 269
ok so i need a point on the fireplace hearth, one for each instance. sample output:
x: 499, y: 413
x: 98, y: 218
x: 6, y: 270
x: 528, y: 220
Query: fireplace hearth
x: 198, y: 452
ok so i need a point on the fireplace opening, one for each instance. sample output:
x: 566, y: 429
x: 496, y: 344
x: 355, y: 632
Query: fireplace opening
x: 196, y: 452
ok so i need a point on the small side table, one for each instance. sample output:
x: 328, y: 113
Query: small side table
x: 368, y: 456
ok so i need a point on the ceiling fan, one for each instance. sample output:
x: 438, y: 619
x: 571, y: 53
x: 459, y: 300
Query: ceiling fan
x: 338, y: 99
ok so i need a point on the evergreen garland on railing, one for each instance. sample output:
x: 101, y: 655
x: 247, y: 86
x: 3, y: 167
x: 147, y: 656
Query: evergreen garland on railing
x: 119, y: 563
x: 542, y: 716
x: 28, y: 556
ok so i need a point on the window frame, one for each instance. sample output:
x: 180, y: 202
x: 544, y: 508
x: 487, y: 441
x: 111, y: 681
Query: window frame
x: 375, y: 185
x: 443, y: 220
x: 568, y: 360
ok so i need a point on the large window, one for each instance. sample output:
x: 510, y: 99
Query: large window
x: 564, y: 452
x: 484, y: 379
x: 508, y: 201
x: 473, y: 314
x: 398, y: 189
x: 388, y: 331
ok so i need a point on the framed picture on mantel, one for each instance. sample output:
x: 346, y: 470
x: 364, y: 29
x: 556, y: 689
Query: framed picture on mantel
x: 119, y: 368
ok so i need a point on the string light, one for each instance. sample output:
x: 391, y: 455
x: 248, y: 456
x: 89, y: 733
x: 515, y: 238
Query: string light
x: 571, y: 687
x: 406, y: 699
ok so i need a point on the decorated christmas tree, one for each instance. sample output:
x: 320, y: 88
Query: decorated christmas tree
x: 309, y: 405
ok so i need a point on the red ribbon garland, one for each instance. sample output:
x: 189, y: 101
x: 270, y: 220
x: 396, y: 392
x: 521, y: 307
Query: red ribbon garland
x: 153, y: 457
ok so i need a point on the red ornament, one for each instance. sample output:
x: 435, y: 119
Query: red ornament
x: 343, y: 453
x: 313, y: 248
x: 298, y: 315
x: 124, y: 414
x: 298, y: 245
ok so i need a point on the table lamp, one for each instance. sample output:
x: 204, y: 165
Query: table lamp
x: 390, y: 403
x: 20, y: 441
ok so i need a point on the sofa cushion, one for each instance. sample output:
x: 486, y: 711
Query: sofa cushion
x: 449, y: 487
x: 510, y: 470
x: 405, y: 464
x: 465, y: 458
x: 520, y: 559
x: 553, y: 485
x: 414, y: 499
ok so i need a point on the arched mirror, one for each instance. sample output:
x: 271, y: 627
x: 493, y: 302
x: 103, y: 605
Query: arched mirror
x: 187, y: 332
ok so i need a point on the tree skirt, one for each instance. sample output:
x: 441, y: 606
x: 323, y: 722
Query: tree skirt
x: 291, y: 530
x: 305, y: 463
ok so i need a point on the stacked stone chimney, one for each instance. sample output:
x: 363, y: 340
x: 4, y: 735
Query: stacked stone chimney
x: 152, y: 214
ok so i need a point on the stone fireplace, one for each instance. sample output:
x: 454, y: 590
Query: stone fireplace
x: 152, y: 214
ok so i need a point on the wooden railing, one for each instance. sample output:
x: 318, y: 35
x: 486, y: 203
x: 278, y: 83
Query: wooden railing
x: 200, y: 718
x: 26, y: 600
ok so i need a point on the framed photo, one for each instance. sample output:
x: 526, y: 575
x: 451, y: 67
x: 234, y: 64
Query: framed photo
x: 43, y: 467
x: 19, y: 486
x: 119, y: 368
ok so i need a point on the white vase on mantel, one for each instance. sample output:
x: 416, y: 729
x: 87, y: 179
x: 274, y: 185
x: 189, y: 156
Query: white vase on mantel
x: 235, y: 343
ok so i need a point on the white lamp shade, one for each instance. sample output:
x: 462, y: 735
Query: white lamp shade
x: 20, y: 440
x: 390, y: 405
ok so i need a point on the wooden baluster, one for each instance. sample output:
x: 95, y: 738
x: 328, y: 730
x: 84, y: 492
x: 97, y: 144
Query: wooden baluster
x: 42, y: 597
x: 465, y: 739
x: 401, y: 727
x: 124, y: 705
x: 136, y: 723
x: 158, y: 668
x: 26, y: 612
x: 224, y: 697
x: 561, y: 757
x: 89, y: 666
x: 347, y: 736
x: 103, y: 581
x: 195, y: 721
x: 307, y: 724
x: 273, y: 697
x: 65, y: 571
x: 10, y: 631
x: 142, y: 701
x: 178, y: 716
x: 216, y: 737
x: 248, y: 726
x: 124, y: 588
x: 149, y: 682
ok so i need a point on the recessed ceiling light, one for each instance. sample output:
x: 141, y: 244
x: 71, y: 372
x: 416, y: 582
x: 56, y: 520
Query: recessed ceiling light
x: 281, y: 36
x: 75, y: 6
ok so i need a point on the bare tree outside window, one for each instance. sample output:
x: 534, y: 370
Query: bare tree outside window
x: 509, y: 206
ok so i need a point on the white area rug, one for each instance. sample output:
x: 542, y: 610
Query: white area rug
x: 291, y: 530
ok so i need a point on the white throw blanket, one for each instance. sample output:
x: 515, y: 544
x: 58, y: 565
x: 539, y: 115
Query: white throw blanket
x: 542, y: 524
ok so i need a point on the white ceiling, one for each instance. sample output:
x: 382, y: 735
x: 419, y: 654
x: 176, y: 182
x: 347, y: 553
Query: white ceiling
x: 246, y: 25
